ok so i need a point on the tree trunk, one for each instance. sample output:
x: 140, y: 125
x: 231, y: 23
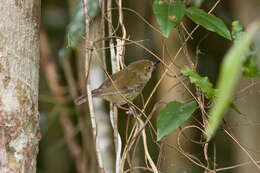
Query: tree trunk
x: 19, y: 76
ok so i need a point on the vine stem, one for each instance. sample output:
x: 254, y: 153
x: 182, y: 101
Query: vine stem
x: 113, y: 109
x: 90, y: 101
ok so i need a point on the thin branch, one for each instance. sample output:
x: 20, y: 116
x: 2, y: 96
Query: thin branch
x: 113, y: 108
x: 247, y: 153
x: 88, y: 57
x: 154, y: 168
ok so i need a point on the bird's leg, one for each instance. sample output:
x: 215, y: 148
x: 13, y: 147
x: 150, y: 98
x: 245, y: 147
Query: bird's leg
x: 122, y: 107
x: 131, y: 110
x: 128, y: 110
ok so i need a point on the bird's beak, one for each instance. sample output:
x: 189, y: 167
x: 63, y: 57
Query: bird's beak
x: 156, y: 62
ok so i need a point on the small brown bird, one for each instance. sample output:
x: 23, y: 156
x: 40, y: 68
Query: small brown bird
x: 127, y: 84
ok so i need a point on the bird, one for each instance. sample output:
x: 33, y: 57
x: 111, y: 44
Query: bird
x: 124, y: 85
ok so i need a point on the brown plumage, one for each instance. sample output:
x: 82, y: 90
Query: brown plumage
x: 127, y: 84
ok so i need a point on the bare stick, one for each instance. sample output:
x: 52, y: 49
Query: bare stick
x: 113, y: 108
x: 90, y: 102
x: 121, y: 54
x: 247, y: 153
x: 154, y: 168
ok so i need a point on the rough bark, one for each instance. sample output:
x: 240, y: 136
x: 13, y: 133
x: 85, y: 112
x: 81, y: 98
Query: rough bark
x: 19, y: 67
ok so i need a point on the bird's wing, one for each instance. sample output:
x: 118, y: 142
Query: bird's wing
x: 107, y: 84
x: 120, y: 84
x: 122, y: 90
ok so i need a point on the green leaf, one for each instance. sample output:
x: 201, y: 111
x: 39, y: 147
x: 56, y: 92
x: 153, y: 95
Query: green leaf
x: 235, y: 108
x: 76, y: 28
x: 202, y: 82
x: 251, y: 62
x: 168, y: 15
x: 229, y: 75
x: 208, y: 21
x: 250, y: 65
x: 237, y: 29
x: 196, y: 3
x: 173, y: 116
x: 257, y: 44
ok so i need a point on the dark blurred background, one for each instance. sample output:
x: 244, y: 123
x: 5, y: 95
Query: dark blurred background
x: 54, y: 155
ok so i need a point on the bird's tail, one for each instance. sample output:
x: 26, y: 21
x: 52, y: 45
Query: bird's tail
x: 81, y: 99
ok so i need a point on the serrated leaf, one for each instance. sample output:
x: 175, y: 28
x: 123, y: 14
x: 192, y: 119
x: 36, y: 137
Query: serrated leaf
x: 168, y: 15
x: 202, y: 82
x: 173, y: 116
x: 230, y: 73
x: 208, y: 21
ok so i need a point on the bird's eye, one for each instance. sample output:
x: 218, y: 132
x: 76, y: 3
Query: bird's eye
x: 149, y: 68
